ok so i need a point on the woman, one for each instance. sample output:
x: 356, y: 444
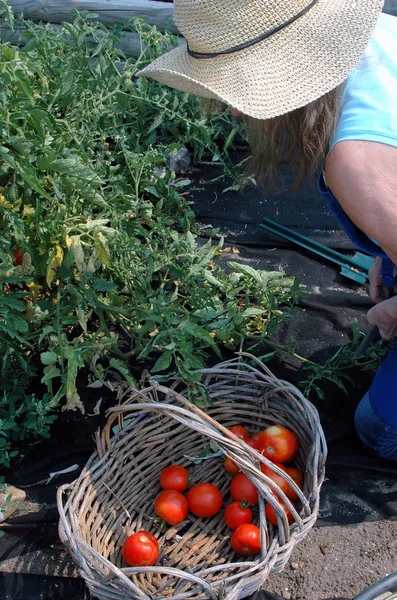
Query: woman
x: 320, y: 78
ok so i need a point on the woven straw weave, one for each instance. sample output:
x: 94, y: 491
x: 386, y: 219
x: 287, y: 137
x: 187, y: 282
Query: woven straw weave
x: 157, y: 426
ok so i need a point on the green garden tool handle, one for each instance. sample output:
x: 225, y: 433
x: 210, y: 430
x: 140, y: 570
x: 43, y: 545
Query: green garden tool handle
x: 354, y: 268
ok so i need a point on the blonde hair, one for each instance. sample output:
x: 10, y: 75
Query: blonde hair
x: 300, y: 137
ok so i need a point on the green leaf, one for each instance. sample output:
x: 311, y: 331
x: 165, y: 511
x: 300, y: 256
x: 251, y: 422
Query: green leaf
x: 162, y: 363
x: 48, y: 358
x: 182, y: 183
x: 75, y: 167
x: 51, y: 375
x: 29, y: 175
x: 212, y: 280
x: 101, y: 285
x: 253, y: 312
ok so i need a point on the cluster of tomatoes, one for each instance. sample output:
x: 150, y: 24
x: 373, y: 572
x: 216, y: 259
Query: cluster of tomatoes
x: 276, y: 443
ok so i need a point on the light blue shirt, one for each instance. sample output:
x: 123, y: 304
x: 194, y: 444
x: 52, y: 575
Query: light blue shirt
x: 368, y: 105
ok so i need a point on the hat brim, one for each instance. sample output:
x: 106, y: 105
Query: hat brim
x: 288, y: 70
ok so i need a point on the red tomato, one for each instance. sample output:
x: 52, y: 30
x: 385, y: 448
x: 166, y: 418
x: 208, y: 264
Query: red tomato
x: 282, y: 483
x: 256, y: 436
x: 254, y: 443
x: 231, y: 467
x: 278, y: 443
x: 240, y: 431
x: 171, y: 506
x: 271, y: 513
x: 237, y: 514
x: 246, y: 540
x: 204, y: 499
x: 174, y: 477
x: 242, y: 489
x: 140, y: 549
x: 297, y: 476
x: 18, y: 258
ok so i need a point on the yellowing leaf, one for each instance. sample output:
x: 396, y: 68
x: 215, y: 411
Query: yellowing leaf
x: 55, y: 261
x: 77, y: 251
x: 28, y: 210
x: 4, y: 203
x: 102, y: 250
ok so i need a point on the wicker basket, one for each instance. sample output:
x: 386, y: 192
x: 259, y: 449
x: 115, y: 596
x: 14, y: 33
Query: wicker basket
x: 114, y: 495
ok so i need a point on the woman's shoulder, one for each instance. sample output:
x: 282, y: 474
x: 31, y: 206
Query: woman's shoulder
x: 368, y: 104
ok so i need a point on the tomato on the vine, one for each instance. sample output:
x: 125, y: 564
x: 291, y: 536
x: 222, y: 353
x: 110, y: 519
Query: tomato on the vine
x: 246, y: 540
x: 237, y: 514
x: 204, y: 500
x: 269, y: 472
x: 231, y: 467
x: 174, y: 477
x: 297, y: 476
x: 278, y: 443
x: 271, y: 513
x: 242, y: 489
x: 140, y: 549
x: 18, y: 258
x: 240, y: 431
x: 171, y: 506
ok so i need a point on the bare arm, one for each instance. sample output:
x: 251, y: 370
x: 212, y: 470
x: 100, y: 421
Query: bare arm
x: 363, y: 177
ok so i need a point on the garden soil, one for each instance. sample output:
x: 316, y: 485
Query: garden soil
x: 354, y: 542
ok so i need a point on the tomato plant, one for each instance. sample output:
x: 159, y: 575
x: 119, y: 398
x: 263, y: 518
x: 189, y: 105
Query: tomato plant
x: 140, y: 549
x: 174, y: 477
x: 297, y: 476
x: 237, y: 514
x: 246, y: 540
x: 240, y: 431
x: 171, y: 506
x: 278, y: 443
x: 204, y: 500
x: 242, y: 489
x: 282, y: 483
x: 231, y: 467
x: 271, y: 513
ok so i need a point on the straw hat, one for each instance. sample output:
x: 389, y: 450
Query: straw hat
x: 265, y: 57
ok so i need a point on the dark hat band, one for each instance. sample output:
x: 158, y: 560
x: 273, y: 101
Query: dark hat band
x: 254, y: 41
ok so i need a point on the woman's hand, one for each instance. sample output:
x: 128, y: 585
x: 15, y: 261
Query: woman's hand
x: 384, y: 315
x: 377, y: 291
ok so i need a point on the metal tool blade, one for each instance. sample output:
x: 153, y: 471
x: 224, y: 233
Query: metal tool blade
x: 372, y: 337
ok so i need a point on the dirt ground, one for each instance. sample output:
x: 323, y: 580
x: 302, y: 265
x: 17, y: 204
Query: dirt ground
x: 338, y: 562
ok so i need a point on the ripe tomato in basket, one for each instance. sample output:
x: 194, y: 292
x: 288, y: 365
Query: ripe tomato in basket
x: 174, y: 477
x: 271, y: 513
x: 171, y: 506
x: 204, y: 500
x: 240, y: 431
x: 242, y: 489
x: 254, y: 443
x: 246, y: 540
x: 231, y: 467
x: 237, y: 514
x: 140, y: 549
x: 282, y: 483
x: 278, y: 443
x: 297, y: 476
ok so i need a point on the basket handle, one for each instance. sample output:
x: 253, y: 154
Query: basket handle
x: 207, y: 589
x: 103, y: 440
